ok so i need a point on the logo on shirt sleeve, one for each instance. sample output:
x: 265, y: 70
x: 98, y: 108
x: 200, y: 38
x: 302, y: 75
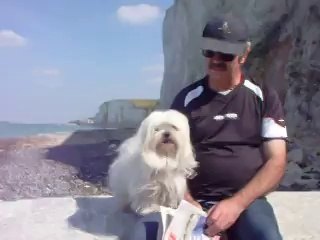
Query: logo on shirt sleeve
x: 272, y: 128
x: 280, y: 122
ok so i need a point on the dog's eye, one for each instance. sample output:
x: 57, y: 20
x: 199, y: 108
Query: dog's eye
x: 175, y: 128
x: 156, y: 129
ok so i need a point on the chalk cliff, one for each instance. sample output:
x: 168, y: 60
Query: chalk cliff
x: 286, y: 54
x: 124, y: 113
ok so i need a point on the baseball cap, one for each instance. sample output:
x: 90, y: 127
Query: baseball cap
x: 226, y: 34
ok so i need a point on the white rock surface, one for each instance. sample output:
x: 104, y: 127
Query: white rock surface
x: 286, y: 54
x: 124, y: 113
x: 93, y: 218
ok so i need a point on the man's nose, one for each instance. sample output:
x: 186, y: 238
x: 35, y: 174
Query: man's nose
x: 216, y: 58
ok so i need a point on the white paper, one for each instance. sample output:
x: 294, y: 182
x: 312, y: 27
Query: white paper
x: 186, y: 224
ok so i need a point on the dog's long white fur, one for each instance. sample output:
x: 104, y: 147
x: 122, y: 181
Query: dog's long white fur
x: 141, y: 179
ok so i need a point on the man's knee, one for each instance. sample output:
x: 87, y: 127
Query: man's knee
x: 266, y: 233
x: 255, y: 232
x: 264, y: 225
x: 257, y: 222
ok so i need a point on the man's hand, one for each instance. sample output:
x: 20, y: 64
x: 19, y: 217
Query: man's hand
x: 222, y: 216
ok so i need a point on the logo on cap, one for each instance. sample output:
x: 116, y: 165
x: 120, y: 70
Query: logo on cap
x: 225, y: 28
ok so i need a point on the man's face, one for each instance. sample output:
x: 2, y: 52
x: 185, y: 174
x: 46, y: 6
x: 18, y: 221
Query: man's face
x: 222, y: 65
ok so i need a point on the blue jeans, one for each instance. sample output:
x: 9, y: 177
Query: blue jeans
x: 257, y: 222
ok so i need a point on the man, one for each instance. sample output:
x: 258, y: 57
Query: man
x: 231, y: 120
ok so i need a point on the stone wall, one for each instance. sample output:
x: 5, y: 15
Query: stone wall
x: 286, y: 54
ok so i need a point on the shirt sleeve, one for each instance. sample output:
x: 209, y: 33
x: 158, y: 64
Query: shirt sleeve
x: 273, y: 120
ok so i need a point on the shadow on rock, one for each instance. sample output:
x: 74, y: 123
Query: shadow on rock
x: 98, y: 216
x: 90, y: 152
x: 91, y: 160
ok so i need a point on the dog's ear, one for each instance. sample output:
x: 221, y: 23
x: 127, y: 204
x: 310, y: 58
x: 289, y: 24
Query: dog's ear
x: 135, y: 143
x: 130, y: 146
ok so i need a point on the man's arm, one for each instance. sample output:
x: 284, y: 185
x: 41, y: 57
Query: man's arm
x: 226, y: 212
x: 274, y: 134
x: 269, y: 176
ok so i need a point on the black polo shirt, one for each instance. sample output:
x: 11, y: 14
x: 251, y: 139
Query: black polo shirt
x: 227, y: 129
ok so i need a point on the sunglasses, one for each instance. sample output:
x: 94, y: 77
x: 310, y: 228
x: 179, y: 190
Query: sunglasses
x: 226, y: 57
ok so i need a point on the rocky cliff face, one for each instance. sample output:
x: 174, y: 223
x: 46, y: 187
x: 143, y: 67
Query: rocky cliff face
x: 124, y: 113
x: 286, y: 54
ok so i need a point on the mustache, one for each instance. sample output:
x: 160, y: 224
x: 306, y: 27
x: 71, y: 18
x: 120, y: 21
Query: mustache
x: 221, y: 65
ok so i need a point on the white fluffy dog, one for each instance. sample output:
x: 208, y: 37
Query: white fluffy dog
x: 152, y: 166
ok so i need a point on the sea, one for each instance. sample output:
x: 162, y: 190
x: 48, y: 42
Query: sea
x: 13, y: 130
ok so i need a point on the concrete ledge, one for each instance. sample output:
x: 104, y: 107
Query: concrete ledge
x: 93, y: 218
x: 298, y: 214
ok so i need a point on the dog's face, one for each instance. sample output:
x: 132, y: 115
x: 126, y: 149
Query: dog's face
x: 166, y: 141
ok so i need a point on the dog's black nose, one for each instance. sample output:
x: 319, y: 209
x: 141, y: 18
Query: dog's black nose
x: 166, y: 134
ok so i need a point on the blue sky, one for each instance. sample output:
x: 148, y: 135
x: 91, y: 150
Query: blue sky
x: 59, y: 60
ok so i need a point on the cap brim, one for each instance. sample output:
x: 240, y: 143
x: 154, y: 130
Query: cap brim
x: 223, y: 46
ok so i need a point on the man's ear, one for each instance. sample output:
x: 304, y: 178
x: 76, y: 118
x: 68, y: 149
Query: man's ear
x: 243, y: 58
